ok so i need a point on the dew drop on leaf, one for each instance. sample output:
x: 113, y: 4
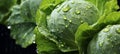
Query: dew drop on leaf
x: 64, y: 17
x: 9, y: 27
x: 66, y: 26
x: 77, y: 12
x: 106, y: 29
x: 101, y: 44
x: 118, y: 30
x: 81, y: 21
x: 66, y: 9
x: 70, y: 21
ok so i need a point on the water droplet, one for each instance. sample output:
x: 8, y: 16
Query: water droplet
x: 62, y: 45
x: 9, y: 27
x: 101, y: 44
x: 77, y: 11
x: 66, y: 26
x: 37, y: 50
x: 118, y: 30
x: 88, y: 7
x: 70, y: 21
x: 66, y: 9
x: 57, y: 6
x: 106, y: 29
x: 34, y: 42
x: 81, y: 21
x: 64, y: 17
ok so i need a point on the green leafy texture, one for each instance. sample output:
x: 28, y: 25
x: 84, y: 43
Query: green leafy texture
x: 64, y: 21
x: 100, y: 4
x: 5, y: 5
x: 44, y: 45
x: 25, y: 12
x: 105, y: 6
x: 106, y: 42
x: 42, y: 25
x: 82, y: 37
x: 23, y: 17
x: 111, y: 6
x: 23, y: 33
x: 15, y: 16
x: 4, y: 17
x: 48, y: 5
x: 112, y: 18
x: 109, y: 15
x: 86, y: 32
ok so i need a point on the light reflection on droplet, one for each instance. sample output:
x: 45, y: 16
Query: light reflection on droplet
x: 9, y: 27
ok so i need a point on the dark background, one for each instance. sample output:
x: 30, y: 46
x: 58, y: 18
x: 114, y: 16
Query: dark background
x: 8, y: 46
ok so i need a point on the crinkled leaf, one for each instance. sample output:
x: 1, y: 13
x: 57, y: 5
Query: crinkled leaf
x: 105, y: 6
x: 48, y: 5
x: 83, y: 36
x: 99, y: 4
x: 42, y: 25
x: 41, y: 18
x: 34, y: 5
x: 111, y: 6
x: 112, y: 18
x: 44, y: 45
x: 4, y: 17
x: 23, y: 33
x: 23, y: 16
x: 15, y: 17
x: 25, y: 12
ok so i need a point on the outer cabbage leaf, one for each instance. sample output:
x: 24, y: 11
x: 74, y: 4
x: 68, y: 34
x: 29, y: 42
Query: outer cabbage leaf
x: 24, y: 12
x: 48, y: 5
x: 42, y: 26
x: 112, y: 18
x: 23, y: 33
x: 105, y: 6
x: 83, y: 36
x: 99, y: 4
x: 44, y: 45
x: 22, y: 15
